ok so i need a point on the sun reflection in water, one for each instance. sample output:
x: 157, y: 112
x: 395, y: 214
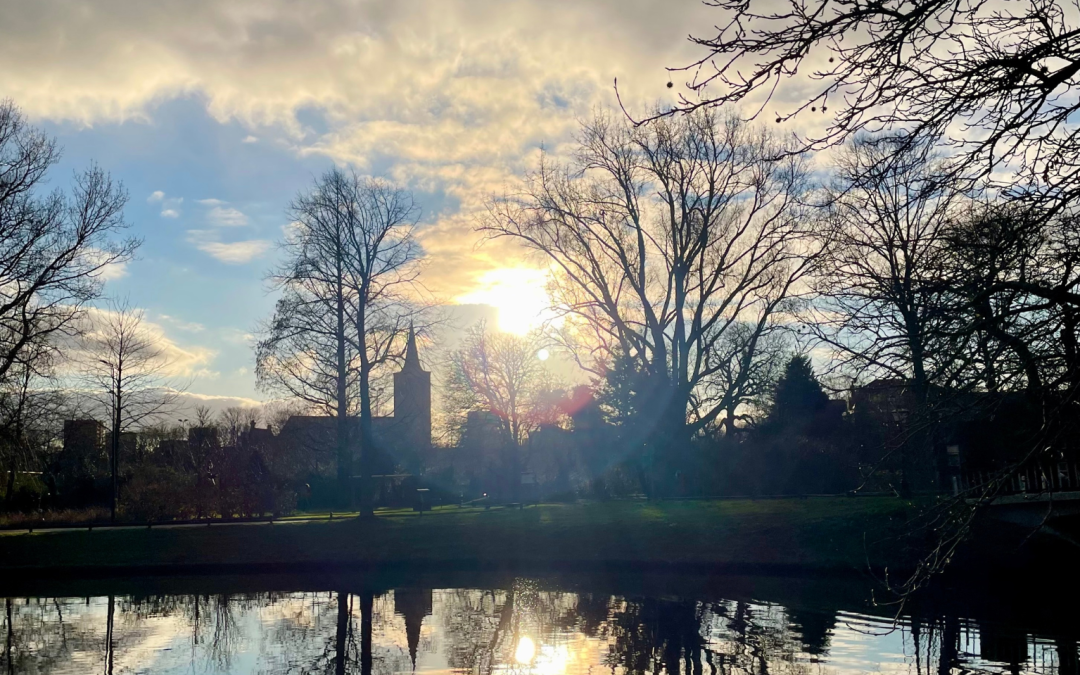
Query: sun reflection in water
x: 526, y: 650
x: 541, y: 659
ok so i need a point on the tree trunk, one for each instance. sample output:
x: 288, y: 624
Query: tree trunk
x: 367, y: 601
x: 340, y: 644
x: 109, y: 623
x: 9, y: 639
x: 918, y: 468
x: 367, y: 437
x: 344, y: 450
x: 114, y: 461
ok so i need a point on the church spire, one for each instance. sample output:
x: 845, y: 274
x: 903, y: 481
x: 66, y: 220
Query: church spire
x: 412, y: 357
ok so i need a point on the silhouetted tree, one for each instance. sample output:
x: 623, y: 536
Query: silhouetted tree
x: 986, y: 79
x: 501, y: 373
x: 1018, y: 274
x: 882, y: 307
x: 127, y: 370
x: 234, y: 421
x: 381, y: 267
x: 54, y: 247
x: 345, y: 310
x: 798, y: 398
x: 675, y: 245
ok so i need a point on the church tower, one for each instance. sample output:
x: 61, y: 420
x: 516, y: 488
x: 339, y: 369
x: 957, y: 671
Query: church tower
x: 412, y: 400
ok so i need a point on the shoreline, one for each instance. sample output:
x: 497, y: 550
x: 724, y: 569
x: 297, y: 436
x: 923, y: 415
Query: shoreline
x: 829, y: 538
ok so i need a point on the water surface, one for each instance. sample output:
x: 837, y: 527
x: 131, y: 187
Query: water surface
x: 519, y: 625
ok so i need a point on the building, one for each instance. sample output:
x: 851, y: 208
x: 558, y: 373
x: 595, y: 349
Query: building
x: 85, y: 451
x: 85, y: 438
x: 413, y: 605
x: 407, y: 433
x: 400, y: 439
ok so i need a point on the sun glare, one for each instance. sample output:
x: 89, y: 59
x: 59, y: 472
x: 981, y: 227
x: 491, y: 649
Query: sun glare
x: 517, y: 293
x: 526, y: 650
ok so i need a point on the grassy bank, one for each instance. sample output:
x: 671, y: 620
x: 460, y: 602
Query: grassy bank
x: 813, y: 534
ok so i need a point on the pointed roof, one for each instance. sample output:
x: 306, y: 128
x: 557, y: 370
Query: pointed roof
x: 413, y: 604
x: 412, y: 356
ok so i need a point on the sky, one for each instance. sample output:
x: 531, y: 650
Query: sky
x: 215, y: 114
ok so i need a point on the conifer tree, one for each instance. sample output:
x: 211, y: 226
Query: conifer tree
x: 798, y: 397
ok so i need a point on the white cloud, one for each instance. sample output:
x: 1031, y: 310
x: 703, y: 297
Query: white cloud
x: 237, y: 252
x: 232, y: 253
x: 113, y: 271
x: 250, y: 139
x: 189, y: 326
x: 109, y: 272
x: 211, y: 202
x: 237, y: 337
x: 177, y: 361
x: 187, y: 402
x: 224, y: 216
x: 451, y: 96
x: 170, y: 206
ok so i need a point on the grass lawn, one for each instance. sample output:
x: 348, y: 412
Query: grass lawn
x: 812, y: 534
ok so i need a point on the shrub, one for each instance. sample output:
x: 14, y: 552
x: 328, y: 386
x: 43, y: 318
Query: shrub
x: 157, y: 494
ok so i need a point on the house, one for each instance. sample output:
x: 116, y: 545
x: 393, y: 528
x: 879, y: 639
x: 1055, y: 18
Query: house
x: 962, y: 436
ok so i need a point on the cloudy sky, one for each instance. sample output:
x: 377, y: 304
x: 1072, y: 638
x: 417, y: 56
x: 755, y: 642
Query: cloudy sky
x: 214, y: 114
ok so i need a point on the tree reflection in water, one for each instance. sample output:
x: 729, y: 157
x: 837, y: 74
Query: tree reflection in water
x: 522, y: 627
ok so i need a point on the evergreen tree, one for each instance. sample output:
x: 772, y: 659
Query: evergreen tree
x: 798, y: 398
x: 619, y: 393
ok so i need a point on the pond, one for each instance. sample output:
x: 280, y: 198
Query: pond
x: 488, y: 623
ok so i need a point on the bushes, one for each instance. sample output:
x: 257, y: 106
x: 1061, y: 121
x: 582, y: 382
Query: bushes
x: 27, y: 493
x: 62, y: 517
x: 239, y: 485
x: 156, y: 494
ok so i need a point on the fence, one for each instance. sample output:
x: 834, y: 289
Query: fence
x: 1032, y: 478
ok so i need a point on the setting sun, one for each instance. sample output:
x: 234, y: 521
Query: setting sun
x: 517, y: 293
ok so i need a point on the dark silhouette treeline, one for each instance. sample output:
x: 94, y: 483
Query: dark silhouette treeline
x: 948, y: 373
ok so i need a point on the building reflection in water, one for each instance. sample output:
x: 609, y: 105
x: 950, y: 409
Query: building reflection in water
x: 521, y: 628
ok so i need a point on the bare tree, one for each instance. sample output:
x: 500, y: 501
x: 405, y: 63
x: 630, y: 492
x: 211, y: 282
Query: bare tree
x: 234, y: 421
x: 994, y: 83
x: 1018, y: 273
x: 304, y: 352
x: 345, y: 310
x: 501, y: 373
x: 30, y: 414
x: 204, y: 417
x: 128, y: 372
x: 54, y: 247
x: 382, y: 265
x: 678, y: 245
x: 991, y: 80
x: 882, y: 306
